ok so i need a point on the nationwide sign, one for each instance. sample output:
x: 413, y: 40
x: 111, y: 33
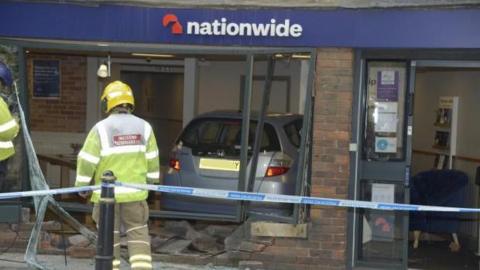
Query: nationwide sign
x: 223, y: 27
x: 275, y: 27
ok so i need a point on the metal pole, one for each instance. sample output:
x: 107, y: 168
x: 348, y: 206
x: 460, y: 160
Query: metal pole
x: 247, y: 100
x: 261, y: 120
x: 104, y: 257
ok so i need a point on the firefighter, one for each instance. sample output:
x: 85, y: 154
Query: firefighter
x: 125, y: 145
x: 8, y: 125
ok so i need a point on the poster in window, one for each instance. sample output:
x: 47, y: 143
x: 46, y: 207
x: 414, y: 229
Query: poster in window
x: 383, y: 224
x: 385, y: 144
x: 386, y: 116
x: 387, y: 85
x: 46, y: 79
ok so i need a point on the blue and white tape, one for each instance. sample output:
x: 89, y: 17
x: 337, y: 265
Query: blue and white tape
x: 277, y: 198
x: 248, y: 196
x: 33, y: 193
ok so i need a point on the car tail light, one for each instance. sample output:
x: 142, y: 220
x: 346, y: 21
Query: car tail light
x: 274, y: 171
x: 277, y: 167
x: 174, y: 164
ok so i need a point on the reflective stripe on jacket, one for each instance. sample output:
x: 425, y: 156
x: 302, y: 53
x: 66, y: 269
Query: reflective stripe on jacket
x: 8, y: 131
x: 125, y: 145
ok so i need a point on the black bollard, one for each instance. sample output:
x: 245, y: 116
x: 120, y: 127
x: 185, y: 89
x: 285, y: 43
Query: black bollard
x: 104, y: 257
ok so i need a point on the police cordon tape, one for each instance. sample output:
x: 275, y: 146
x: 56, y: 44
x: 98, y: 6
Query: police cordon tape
x: 278, y: 198
x: 32, y: 193
x: 248, y: 196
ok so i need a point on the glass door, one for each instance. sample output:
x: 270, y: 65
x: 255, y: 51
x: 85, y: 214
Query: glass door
x: 380, y: 238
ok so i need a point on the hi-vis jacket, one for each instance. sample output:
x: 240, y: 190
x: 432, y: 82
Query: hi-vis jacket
x: 8, y: 131
x: 125, y: 145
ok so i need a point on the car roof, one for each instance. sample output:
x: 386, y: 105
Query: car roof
x: 270, y: 117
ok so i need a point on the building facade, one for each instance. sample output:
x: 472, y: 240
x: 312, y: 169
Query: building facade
x: 348, y: 155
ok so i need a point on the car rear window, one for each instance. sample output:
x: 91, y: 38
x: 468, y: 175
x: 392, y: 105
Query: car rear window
x: 293, y: 131
x: 205, y: 135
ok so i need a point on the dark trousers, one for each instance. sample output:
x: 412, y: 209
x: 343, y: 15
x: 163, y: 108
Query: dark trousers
x: 4, y: 186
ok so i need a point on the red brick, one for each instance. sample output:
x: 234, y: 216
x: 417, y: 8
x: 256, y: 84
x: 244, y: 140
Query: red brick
x: 81, y: 252
x: 68, y: 113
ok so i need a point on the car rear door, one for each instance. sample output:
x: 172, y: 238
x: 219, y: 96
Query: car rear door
x: 210, y: 155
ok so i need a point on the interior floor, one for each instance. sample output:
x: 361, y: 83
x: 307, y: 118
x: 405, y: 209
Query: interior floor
x: 436, y: 255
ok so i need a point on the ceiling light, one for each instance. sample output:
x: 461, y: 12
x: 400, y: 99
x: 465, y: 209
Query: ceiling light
x: 104, y: 69
x: 153, y: 55
x: 301, y: 56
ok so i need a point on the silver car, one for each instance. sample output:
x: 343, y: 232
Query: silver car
x: 207, y: 155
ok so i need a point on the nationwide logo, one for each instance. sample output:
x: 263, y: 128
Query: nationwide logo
x: 171, y: 20
x: 223, y: 27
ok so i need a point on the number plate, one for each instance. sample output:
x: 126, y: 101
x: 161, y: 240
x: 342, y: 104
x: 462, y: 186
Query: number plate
x: 220, y: 164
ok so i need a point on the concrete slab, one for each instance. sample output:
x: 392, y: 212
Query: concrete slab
x: 271, y: 229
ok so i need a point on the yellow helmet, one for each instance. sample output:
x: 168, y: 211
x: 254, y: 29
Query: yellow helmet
x: 116, y: 93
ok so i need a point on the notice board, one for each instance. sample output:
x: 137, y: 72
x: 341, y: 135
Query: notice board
x: 46, y: 79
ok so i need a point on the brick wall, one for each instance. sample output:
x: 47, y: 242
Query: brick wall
x: 330, y: 165
x: 68, y: 113
x: 326, y: 245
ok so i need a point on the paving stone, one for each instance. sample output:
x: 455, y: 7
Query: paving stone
x: 233, y: 241
x: 161, y: 232
x: 174, y: 246
x: 59, y: 241
x: 203, y: 242
x: 208, y: 245
x: 180, y: 228
x: 157, y: 242
x: 220, y: 231
x: 78, y: 240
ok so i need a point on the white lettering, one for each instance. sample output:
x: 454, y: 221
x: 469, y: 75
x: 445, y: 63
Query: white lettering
x: 223, y: 27
x: 296, y: 30
x: 245, y: 29
x: 260, y: 29
x: 205, y: 28
x: 222, y: 31
x: 283, y: 28
x: 232, y: 29
x: 193, y: 28
x: 272, y: 27
x: 216, y: 27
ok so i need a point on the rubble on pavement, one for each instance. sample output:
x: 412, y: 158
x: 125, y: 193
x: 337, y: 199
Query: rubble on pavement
x: 174, y: 241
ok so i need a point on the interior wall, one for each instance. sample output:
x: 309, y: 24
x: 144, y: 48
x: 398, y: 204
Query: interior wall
x: 223, y: 80
x: 430, y: 85
x: 159, y: 100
